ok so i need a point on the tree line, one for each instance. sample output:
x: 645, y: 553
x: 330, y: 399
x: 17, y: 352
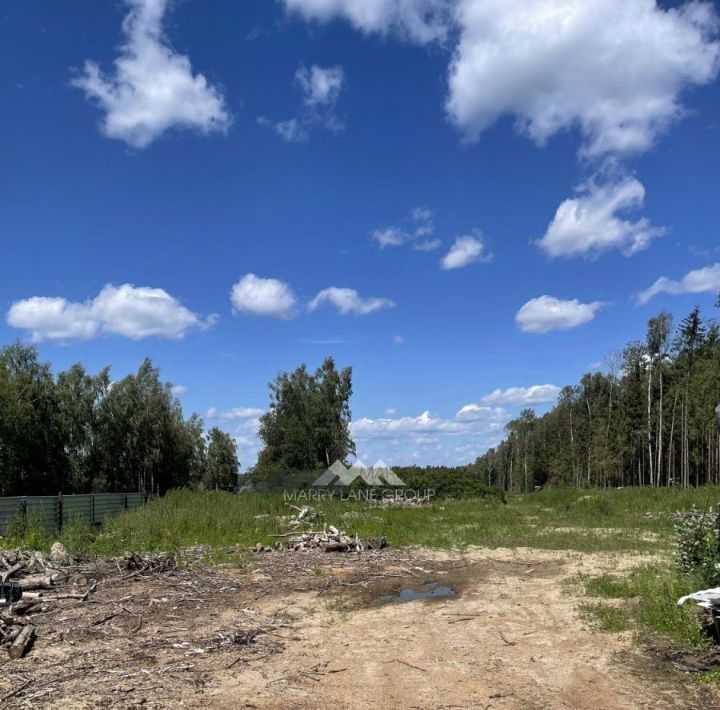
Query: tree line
x: 651, y: 420
x: 77, y: 432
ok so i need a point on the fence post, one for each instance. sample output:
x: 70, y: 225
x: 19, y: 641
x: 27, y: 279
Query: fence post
x: 60, y: 513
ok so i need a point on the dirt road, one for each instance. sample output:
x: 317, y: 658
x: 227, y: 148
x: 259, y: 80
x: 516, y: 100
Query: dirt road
x: 510, y: 638
x: 312, y: 630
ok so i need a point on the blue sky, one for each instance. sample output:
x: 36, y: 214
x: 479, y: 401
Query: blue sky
x: 453, y: 196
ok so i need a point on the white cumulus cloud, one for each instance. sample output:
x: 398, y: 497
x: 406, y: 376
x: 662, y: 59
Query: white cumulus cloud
x: 706, y: 280
x: 129, y: 311
x: 348, y: 300
x: 547, y: 313
x: 464, y: 251
x: 416, y: 20
x: 522, y: 396
x: 590, y: 223
x: 152, y: 88
x: 615, y: 69
x: 256, y: 296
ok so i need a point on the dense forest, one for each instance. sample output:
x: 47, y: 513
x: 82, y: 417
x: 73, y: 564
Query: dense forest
x: 80, y: 433
x: 651, y: 419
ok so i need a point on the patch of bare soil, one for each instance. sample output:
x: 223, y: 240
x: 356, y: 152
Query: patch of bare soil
x: 311, y: 630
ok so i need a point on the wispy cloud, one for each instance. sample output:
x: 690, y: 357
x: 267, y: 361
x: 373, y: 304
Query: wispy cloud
x: 236, y: 413
x: 348, y: 301
x: 320, y: 88
x: 416, y: 231
x: 706, y: 280
x: 419, y: 21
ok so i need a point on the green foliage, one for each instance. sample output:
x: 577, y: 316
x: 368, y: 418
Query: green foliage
x: 74, y: 433
x: 184, y: 518
x: 31, y: 442
x: 142, y: 441
x: 648, y: 419
x: 610, y: 587
x: 627, y: 520
x: 608, y: 618
x: 78, y: 536
x: 27, y: 531
x: 461, y: 482
x: 15, y: 526
x: 697, y: 541
x: 307, y: 426
x: 221, y: 462
x: 276, y: 478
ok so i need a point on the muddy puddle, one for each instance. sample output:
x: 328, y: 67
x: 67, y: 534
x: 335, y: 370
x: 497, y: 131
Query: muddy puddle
x: 437, y: 581
x: 411, y: 594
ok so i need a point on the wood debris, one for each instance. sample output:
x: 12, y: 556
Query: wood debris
x: 305, y: 514
x: 147, y: 564
x: 330, y: 539
x: 33, y: 584
x: 25, y: 579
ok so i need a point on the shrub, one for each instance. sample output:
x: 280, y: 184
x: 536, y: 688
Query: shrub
x: 697, y: 541
x: 78, y: 536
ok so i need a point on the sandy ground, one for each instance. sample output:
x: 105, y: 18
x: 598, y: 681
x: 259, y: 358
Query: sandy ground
x: 309, y: 630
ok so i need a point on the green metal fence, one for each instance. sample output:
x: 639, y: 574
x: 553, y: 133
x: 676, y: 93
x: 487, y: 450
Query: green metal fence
x: 52, y: 512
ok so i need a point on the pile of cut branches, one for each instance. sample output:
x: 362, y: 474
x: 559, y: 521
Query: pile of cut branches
x: 329, y: 539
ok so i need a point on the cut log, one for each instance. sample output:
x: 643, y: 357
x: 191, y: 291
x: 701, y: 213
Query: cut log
x: 22, y: 644
x: 36, y: 581
x: 31, y: 595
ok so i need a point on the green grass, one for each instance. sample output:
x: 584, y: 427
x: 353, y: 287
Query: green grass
x: 627, y: 520
x: 646, y: 598
x: 606, y: 521
x: 608, y: 618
